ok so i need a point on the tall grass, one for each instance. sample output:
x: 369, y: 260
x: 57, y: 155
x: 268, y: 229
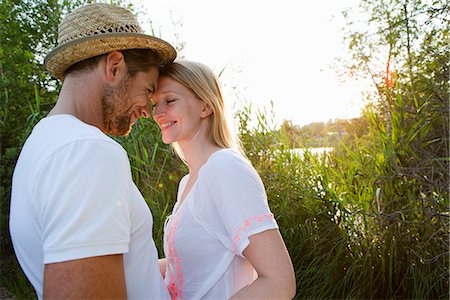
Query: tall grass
x: 358, y: 223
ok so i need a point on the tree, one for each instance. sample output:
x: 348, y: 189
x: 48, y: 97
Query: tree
x: 405, y: 52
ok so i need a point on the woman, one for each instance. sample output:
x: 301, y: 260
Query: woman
x: 221, y: 240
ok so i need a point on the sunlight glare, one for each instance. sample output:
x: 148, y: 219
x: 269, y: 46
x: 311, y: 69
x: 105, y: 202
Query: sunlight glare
x: 280, y: 51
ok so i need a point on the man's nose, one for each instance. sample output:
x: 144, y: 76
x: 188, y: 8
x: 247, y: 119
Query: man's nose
x: 147, y: 111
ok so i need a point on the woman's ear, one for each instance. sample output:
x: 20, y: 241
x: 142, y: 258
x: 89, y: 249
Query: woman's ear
x: 115, y: 65
x: 206, y: 110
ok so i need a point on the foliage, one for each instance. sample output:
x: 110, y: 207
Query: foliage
x: 370, y: 220
x: 354, y: 227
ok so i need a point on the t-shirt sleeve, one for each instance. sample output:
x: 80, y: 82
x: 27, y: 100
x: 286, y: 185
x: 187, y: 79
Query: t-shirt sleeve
x: 81, y: 200
x: 233, y: 201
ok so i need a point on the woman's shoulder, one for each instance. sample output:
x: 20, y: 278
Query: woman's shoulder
x: 226, y: 159
x: 183, y: 180
x: 227, y: 163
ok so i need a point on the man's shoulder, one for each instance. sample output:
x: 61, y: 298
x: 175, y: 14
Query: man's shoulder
x: 67, y: 127
x: 66, y: 137
x: 59, y: 131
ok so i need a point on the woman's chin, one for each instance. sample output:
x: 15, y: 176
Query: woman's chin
x: 167, y: 140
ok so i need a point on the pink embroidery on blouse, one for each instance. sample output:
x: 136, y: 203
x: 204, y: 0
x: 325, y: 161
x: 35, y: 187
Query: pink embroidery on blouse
x: 247, y: 223
x: 176, y: 276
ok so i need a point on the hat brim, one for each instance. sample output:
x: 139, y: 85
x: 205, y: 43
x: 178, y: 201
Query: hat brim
x: 66, y: 55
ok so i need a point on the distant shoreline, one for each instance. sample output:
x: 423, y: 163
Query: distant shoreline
x: 313, y: 150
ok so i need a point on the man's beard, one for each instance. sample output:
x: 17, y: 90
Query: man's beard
x: 116, y: 116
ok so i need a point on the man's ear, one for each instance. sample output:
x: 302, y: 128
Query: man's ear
x: 115, y: 65
x: 206, y: 110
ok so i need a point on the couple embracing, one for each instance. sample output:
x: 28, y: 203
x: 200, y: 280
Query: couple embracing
x: 79, y: 225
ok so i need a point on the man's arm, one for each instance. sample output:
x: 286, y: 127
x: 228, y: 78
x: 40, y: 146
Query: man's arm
x: 100, y: 277
x: 162, y: 267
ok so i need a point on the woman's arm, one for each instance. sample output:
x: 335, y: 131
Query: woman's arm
x: 270, y: 258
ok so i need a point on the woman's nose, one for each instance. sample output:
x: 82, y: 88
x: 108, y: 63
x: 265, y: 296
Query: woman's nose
x: 157, y: 111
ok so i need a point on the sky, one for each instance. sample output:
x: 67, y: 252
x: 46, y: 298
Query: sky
x: 282, y: 52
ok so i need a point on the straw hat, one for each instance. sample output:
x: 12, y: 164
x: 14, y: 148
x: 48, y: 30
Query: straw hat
x: 100, y: 28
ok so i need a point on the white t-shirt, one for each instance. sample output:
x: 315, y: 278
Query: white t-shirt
x: 205, y: 236
x: 73, y: 197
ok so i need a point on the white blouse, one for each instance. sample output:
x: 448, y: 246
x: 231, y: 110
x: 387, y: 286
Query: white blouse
x: 205, y: 236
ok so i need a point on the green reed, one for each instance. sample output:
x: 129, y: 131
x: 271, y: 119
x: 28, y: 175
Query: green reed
x: 358, y: 222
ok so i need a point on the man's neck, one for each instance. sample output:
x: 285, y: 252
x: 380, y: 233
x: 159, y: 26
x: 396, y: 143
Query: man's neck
x: 80, y: 96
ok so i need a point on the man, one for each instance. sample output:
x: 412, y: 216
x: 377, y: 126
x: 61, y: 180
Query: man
x: 79, y: 226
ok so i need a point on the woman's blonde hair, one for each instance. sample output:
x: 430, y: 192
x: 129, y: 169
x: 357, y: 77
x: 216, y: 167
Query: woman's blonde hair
x: 201, y: 80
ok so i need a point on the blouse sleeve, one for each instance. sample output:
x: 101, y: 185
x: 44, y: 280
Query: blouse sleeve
x: 231, y: 200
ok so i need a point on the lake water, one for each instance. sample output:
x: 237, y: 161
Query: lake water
x: 315, y: 151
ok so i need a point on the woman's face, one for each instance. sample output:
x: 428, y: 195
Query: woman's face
x: 177, y: 111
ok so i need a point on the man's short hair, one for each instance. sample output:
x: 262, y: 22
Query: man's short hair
x: 137, y: 60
